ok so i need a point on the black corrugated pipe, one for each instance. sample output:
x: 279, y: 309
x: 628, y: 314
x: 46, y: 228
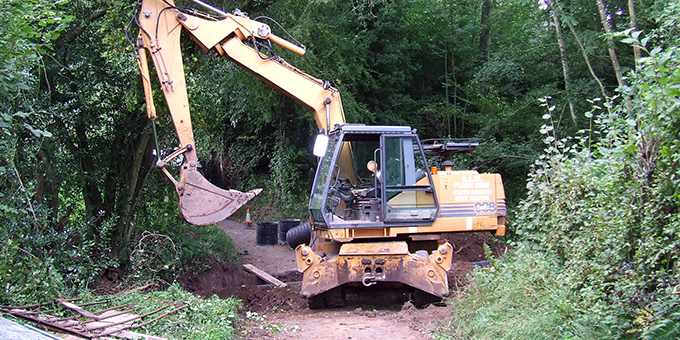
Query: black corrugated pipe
x: 301, y: 234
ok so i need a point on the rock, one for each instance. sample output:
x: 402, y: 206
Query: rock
x: 407, y: 306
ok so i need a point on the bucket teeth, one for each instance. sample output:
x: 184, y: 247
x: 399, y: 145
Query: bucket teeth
x: 203, y: 203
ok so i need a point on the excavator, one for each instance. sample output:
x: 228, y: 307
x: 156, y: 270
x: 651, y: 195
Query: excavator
x: 378, y: 211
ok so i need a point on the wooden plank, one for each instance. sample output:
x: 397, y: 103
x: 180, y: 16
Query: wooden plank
x: 264, y: 275
x: 77, y: 309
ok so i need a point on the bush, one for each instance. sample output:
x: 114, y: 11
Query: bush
x: 520, y: 296
x: 602, y: 214
x: 210, y: 318
x: 176, y: 248
x: 39, y: 263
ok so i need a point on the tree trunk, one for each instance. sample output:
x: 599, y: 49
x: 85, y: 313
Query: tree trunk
x: 91, y: 193
x: 47, y: 183
x: 485, y: 30
x: 455, y: 91
x: 602, y: 9
x: 586, y: 59
x: 133, y: 178
x: 565, y: 65
x: 633, y: 24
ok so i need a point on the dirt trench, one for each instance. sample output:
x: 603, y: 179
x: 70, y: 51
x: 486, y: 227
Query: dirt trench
x: 281, y: 313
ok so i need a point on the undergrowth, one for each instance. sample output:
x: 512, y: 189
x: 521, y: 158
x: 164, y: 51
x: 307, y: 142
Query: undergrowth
x: 597, y: 239
x: 204, y: 318
x: 168, y: 249
x: 520, y: 296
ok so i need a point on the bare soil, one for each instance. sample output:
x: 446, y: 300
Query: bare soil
x: 272, y: 259
x: 359, y: 324
x: 281, y: 313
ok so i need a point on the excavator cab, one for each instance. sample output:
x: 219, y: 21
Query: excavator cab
x: 391, y: 184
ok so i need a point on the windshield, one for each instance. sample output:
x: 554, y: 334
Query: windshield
x: 320, y: 182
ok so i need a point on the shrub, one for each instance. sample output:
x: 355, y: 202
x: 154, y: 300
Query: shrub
x: 177, y: 247
x: 210, y: 318
x: 602, y: 217
x: 520, y: 296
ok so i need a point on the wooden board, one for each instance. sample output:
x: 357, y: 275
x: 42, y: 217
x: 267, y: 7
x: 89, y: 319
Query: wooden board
x: 264, y: 275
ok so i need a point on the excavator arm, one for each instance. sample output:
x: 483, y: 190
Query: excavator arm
x: 236, y: 37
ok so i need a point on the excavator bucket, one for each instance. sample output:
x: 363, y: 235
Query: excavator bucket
x: 203, y: 203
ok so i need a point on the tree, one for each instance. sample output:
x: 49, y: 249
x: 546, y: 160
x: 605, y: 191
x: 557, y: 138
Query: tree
x: 485, y: 30
x: 606, y: 26
x: 632, y: 24
x: 563, y: 60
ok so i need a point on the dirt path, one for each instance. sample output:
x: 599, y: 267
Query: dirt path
x: 272, y: 259
x: 360, y: 324
x: 281, y: 313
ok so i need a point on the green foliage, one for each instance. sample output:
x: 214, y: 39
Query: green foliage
x: 286, y: 178
x: 36, y: 265
x: 603, y: 208
x: 204, y: 318
x: 25, y: 277
x: 23, y: 40
x: 167, y: 249
x: 39, y: 260
x: 520, y: 296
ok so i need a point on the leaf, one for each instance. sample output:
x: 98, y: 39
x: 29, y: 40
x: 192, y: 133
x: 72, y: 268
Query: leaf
x: 22, y: 114
x: 37, y: 132
x: 34, y: 131
x: 636, y: 34
x: 644, y: 41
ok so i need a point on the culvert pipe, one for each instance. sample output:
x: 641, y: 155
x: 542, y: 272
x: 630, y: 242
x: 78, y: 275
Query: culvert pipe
x: 301, y: 234
x: 284, y: 226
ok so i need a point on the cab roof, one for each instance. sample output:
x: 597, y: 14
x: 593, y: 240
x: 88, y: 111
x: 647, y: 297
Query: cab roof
x: 373, y: 129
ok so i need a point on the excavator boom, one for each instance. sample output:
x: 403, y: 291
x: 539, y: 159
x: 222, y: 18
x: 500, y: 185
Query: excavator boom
x: 237, y: 38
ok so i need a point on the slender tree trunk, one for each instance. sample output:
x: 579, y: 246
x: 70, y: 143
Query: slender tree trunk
x: 602, y: 9
x: 91, y: 193
x: 455, y: 93
x: 485, y: 30
x: 586, y: 59
x: 133, y: 177
x: 47, y: 182
x: 633, y: 24
x: 565, y: 65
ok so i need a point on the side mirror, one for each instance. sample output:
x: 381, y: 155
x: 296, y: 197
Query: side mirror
x: 320, y: 145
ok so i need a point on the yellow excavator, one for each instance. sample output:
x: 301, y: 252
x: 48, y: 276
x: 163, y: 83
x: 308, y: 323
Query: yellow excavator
x: 378, y: 211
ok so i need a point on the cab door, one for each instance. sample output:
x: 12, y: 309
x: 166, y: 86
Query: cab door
x: 406, y: 184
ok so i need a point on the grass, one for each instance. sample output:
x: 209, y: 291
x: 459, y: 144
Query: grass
x: 202, y: 246
x: 520, y: 296
x: 209, y: 318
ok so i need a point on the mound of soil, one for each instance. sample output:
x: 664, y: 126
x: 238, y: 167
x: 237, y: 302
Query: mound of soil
x: 231, y: 280
x: 269, y: 299
x: 222, y: 280
x: 458, y: 275
x: 468, y: 253
x: 290, y: 276
x: 469, y: 247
